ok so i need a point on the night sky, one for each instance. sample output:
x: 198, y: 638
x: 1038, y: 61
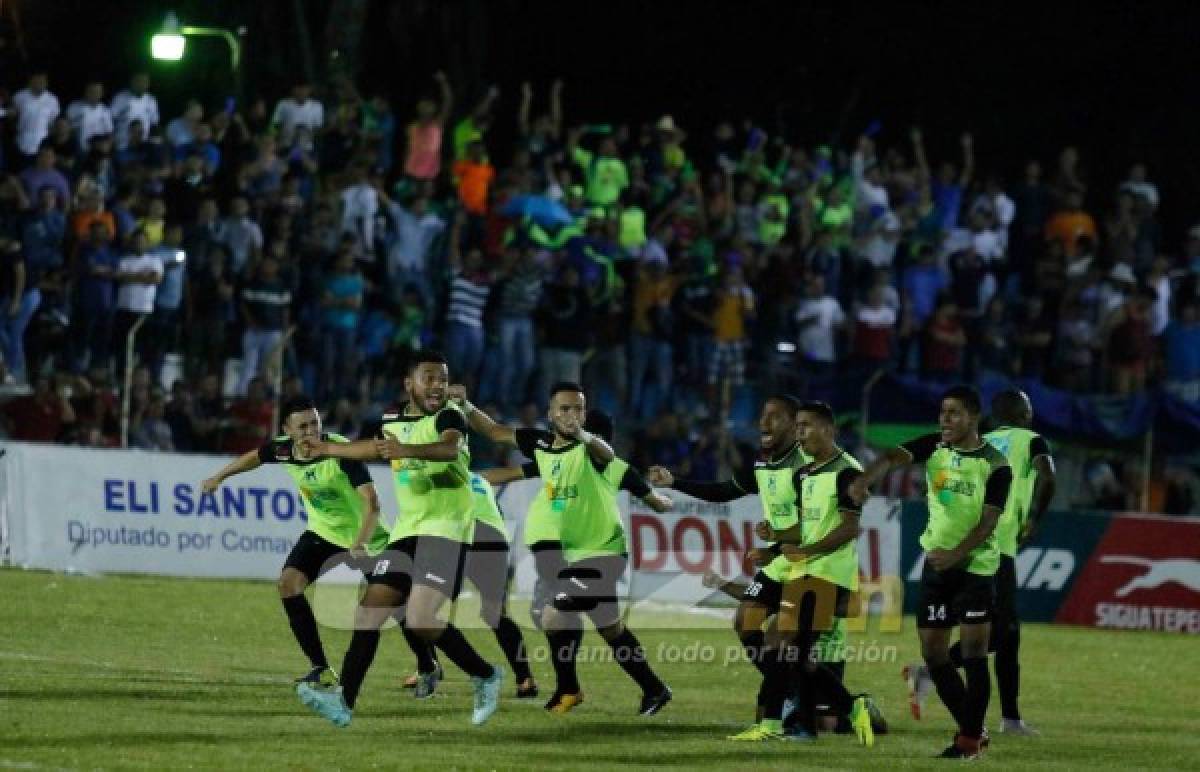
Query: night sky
x: 1117, y: 79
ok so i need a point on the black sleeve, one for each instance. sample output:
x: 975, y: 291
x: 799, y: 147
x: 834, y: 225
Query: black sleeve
x: 998, y: 482
x: 745, y: 480
x: 922, y: 447
x: 356, y: 471
x: 635, y: 483
x: 845, y: 503
x: 527, y: 440
x: 718, y: 492
x: 275, y: 451
x: 530, y: 470
x: 450, y: 419
x: 1039, y: 447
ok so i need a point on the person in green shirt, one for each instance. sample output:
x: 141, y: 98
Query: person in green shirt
x: 343, y: 518
x: 604, y: 171
x: 426, y: 441
x: 968, y: 482
x: 487, y: 568
x: 575, y: 533
x: 809, y: 572
x: 1034, y: 481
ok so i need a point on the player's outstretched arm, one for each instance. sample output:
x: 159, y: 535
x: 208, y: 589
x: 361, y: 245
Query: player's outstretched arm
x: 717, y: 492
x: 732, y: 588
x: 503, y: 475
x: 445, y: 448
x: 1043, y: 493
x: 479, y: 421
x: 639, y: 487
x: 876, y: 470
x: 359, y: 450
x: 243, y: 463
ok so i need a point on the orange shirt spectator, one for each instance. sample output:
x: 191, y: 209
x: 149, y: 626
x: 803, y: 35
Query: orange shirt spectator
x: 81, y: 223
x: 1068, y: 224
x: 474, y: 175
x: 652, y: 300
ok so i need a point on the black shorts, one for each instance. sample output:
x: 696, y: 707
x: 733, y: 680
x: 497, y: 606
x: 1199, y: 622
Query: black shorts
x: 824, y: 701
x: 596, y: 579
x: 954, y: 597
x: 314, y: 556
x: 487, y: 563
x: 801, y: 596
x: 432, y: 561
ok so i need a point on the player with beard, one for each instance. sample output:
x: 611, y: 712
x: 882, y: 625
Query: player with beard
x: 575, y: 532
x: 422, y: 569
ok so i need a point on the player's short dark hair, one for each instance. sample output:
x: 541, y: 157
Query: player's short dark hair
x: 818, y: 408
x: 600, y: 424
x: 565, y: 386
x: 1008, y: 404
x: 425, y: 357
x: 967, y: 395
x: 297, y: 404
x: 791, y: 404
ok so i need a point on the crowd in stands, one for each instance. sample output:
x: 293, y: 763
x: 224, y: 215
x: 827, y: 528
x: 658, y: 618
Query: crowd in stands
x: 314, y: 241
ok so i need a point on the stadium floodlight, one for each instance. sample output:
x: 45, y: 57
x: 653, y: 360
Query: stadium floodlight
x: 169, y: 43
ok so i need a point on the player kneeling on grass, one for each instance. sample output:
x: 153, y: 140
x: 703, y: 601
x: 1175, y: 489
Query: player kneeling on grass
x: 809, y: 572
x: 829, y: 652
x: 422, y: 568
x: 343, y: 519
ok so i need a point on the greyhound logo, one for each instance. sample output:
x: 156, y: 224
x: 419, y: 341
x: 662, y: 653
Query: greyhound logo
x: 1182, y: 571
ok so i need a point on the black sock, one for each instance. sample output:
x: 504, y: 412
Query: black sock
x: 631, y: 657
x: 509, y: 637
x: 804, y: 693
x: 423, y: 649
x: 358, y: 660
x: 956, y: 654
x: 979, y: 691
x: 777, y: 681
x: 460, y: 653
x: 304, y: 627
x: 753, y: 643
x: 564, y: 646
x: 951, y: 689
x: 1008, y: 672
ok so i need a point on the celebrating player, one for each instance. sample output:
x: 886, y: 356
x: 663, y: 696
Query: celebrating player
x: 487, y: 569
x: 1032, y: 489
x: 343, y: 518
x: 968, y: 481
x: 809, y: 572
x: 575, y: 532
x: 423, y: 565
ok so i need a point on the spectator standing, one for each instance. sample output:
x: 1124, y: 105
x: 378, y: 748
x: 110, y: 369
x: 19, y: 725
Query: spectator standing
x: 138, y: 275
x: 162, y: 330
x: 414, y: 229
x: 249, y: 420
x: 566, y: 315
x: 945, y: 340
x: 818, y: 317
x: 1069, y: 223
x: 89, y: 116
x: 470, y: 288
x: 733, y: 310
x: 1181, y: 344
x: 874, y: 329
x: 135, y: 103
x: 651, y: 355
x: 36, y: 109
x: 41, y: 416
x: 266, y: 313
x: 241, y: 235
x: 425, y: 134
x: 297, y: 111
x: 96, y: 266
x: 341, y: 304
x: 519, y: 294
x: 45, y: 174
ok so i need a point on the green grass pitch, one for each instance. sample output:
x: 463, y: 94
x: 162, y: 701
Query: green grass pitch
x: 150, y: 673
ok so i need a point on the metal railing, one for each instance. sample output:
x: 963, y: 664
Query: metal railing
x: 130, y: 364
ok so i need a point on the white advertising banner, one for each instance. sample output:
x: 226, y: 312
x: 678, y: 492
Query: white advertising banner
x: 99, y: 511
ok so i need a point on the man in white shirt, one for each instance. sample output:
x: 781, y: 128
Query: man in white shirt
x: 134, y: 104
x: 89, y: 116
x: 413, y: 232
x: 359, y: 205
x: 818, y: 318
x: 138, y: 277
x: 36, y: 109
x: 300, y: 109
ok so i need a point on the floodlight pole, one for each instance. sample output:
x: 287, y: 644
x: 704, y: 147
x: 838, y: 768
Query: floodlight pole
x: 232, y: 39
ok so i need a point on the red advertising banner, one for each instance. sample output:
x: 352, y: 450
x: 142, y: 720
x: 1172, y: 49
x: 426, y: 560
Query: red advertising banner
x: 1143, y: 575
